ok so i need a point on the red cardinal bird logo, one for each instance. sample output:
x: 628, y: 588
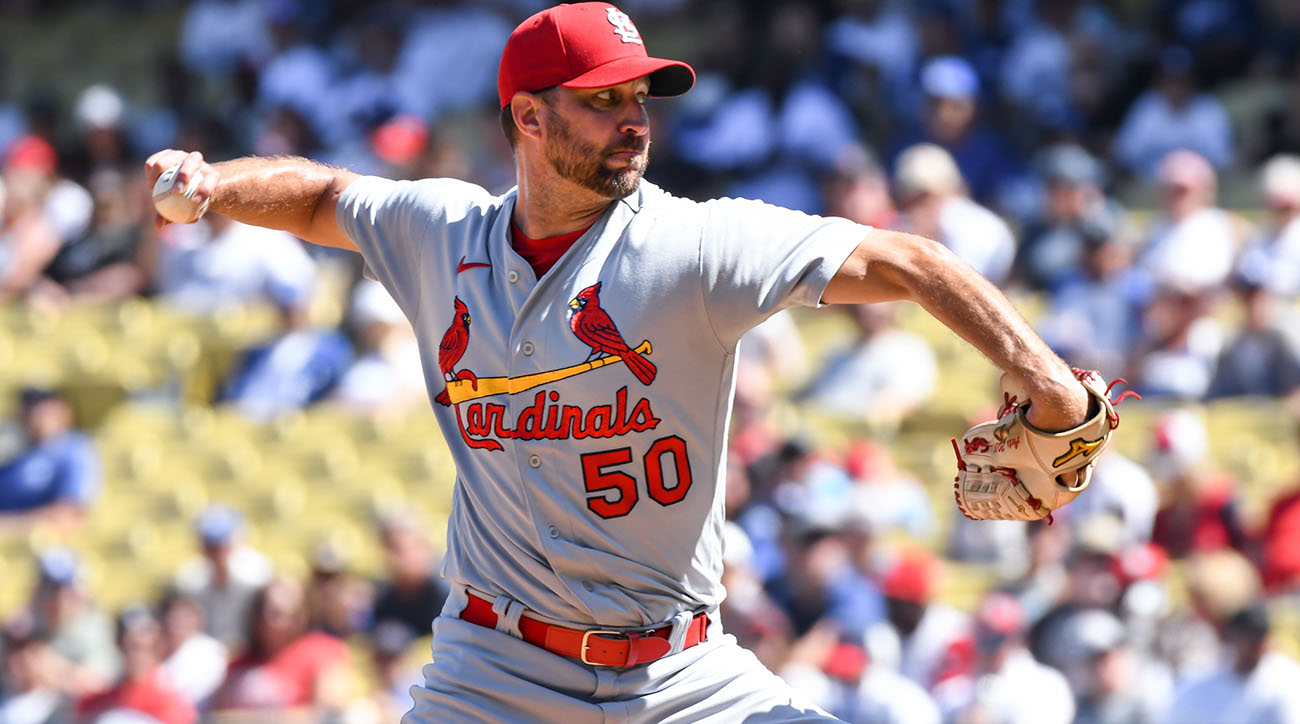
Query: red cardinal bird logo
x: 592, y: 325
x: 452, y: 348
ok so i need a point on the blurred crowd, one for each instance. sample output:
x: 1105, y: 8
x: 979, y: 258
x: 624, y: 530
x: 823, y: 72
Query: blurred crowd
x: 1078, y: 152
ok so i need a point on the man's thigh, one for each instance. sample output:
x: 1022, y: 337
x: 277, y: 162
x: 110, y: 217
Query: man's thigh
x: 725, y: 685
x: 482, y: 675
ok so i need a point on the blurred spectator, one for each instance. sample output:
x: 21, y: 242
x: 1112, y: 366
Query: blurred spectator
x: 1035, y: 72
x: 31, y: 164
x: 1279, y: 543
x: 1256, y: 686
x: 227, y: 576
x: 1094, y: 579
x: 458, y: 39
x: 857, y: 189
x: 1193, y: 245
x: 219, y: 36
x: 1124, y: 489
x: 395, y: 671
x: 753, y: 617
x: 934, y: 203
x: 1178, y: 348
x: 822, y: 586
x: 28, y: 238
x: 286, y: 668
x: 1198, y: 510
x: 882, y: 377
x: 81, y: 635
x: 195, y: 663
x: 931, y: 634
x: 143, y: 689
x: 298, y: 366
x: 1005, y: 684
x: 1275, y: 255
x: 1097, y: 308
x: 1075, y: 212
x: 1173, y: 115
x: 881, y: 36
x: 951, y: 121
x: 1262, y: 358
x: 774, y: 350
x: 840, y: 677
x: 1218, y: 585
x: 56, y: 476
x: 31, y: 690
x: 1113, y: 683
x: 386, y: 376
x: 412, y: 592
x: 1045, y: 582
x: 218, y: 263
x: 778, y: 129
x: 338, y: 602
x: 101, y: 265
x: 886, y: 498
x: 100, y: 119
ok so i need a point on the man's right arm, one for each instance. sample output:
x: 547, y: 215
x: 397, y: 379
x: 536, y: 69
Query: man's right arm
x: 287, y: 193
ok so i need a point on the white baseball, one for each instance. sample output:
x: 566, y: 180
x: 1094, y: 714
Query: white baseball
x: 175, y: 204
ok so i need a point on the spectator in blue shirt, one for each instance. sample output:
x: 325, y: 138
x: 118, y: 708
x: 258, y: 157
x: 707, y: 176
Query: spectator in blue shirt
x: 297, y: 367
x: 56, y: 476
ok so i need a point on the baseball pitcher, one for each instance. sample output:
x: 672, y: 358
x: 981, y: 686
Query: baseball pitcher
x: 578, y: 336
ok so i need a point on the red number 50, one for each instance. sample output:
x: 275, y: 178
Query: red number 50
x: 613, y: 493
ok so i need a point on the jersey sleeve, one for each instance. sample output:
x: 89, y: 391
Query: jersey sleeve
x: 393, y: 222
x: 757, y: 259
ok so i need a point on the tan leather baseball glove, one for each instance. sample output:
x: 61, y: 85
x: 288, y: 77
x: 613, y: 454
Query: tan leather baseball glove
x: 1009, y: 470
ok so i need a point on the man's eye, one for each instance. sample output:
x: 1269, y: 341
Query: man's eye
x: 605, y: 96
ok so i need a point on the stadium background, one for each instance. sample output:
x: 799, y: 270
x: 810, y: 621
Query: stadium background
x: 815, y: 101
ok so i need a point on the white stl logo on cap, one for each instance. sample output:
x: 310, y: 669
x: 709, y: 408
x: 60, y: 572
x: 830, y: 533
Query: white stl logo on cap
x: 623, y: 26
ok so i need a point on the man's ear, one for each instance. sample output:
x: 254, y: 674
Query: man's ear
x: 527, y: 111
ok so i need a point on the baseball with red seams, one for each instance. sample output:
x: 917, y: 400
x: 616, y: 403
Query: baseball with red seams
x: 174, y: 204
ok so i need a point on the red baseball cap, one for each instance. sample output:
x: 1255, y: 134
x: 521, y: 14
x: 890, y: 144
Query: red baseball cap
x: 584, y: 45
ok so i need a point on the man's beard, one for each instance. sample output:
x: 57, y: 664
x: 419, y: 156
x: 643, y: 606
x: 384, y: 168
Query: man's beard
x: 584, y: 163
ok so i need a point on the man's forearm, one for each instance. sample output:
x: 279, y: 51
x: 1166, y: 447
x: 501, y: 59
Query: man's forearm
x: 280, y: 192
x: 905, y: 266
x: 288, y: 193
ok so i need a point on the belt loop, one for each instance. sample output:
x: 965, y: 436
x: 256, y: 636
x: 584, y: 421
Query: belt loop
x: 681, y: 625
x: 508, y: 612
x: 457, y: 600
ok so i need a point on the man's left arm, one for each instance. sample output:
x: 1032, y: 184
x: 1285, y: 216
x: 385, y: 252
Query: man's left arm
x: 891, y: 265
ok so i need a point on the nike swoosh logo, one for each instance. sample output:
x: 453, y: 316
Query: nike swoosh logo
x: 462, y: 266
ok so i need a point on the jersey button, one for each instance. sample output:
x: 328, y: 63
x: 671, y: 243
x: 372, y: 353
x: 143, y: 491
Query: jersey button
x: 552, y: 531
x: 527, y: 348
x: 512, y: 276
x: 535, y: 461
x: 587, y: 585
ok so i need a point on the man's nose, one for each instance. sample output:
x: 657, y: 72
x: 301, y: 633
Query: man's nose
x: 635, y: 119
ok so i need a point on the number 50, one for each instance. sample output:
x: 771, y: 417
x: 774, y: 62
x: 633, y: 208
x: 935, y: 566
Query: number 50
x: 613, y: 493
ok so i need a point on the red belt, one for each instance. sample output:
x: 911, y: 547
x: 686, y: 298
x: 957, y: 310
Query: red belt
x: 598, y: 647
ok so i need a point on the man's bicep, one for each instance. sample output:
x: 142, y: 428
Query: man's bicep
x: 325, y: 228
x: 871, y: 273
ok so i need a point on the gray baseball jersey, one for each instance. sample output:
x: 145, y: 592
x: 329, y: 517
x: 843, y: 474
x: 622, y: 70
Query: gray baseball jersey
x: 587, y: 411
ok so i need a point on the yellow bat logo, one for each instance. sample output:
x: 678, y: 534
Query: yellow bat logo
x: 1078, y: 446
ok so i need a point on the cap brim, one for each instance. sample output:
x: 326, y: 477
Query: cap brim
x: 667, y: 77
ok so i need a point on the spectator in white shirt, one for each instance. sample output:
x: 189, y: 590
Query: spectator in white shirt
x: 1257, y: 686
x: 218, y: 263
x: 1276, y: 253
x: 195, y: 663
x: 1194, y: 243
x: 227, y: 576
x: 1007, y: 684
x: 935, y: 204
